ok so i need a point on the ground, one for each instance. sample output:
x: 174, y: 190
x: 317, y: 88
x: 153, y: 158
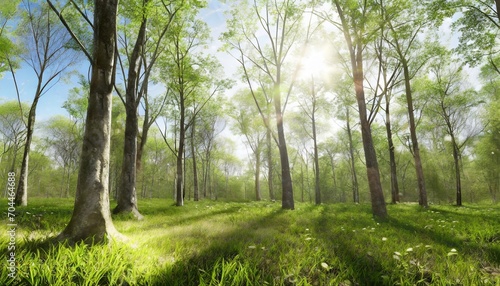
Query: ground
x: 257, y: 243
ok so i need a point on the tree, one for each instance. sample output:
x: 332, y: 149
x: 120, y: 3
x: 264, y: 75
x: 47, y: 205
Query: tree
x: 478, y: 27
x: 263, y: 60
x: 12, y: 133
x: 402, y: 36
x: 250, y: 126
x: 46, y: 54
x: 454, y: 104
x: 91, y: 219
x: 191, y: 79
x: 136, y: 85
x: 357, y: 23
x: 7, y: 46
x: 63, y: 137
x: 488, y: 147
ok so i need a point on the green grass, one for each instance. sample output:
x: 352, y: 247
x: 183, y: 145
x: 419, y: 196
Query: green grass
x: 257, y: 243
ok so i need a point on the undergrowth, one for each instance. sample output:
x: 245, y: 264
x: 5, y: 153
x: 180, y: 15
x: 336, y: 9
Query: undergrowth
x: 257, y: 243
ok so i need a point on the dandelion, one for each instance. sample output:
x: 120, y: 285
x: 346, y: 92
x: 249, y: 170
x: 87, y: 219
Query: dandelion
x: 384, y: 238
x: 396, y: 255
x: 452, y: 252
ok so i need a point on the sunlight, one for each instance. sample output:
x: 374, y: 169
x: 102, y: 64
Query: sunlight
x: 315, y: 64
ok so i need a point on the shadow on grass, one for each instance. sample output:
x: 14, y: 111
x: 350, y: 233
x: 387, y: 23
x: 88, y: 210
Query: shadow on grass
x: 223, y: 247
x: 488, y: 251
x: 363, y: 268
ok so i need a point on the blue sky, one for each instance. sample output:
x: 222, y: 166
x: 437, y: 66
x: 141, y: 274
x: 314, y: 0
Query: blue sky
x: 51, y: 103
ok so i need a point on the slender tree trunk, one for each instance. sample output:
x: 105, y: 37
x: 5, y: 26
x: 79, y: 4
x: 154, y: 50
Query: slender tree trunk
x: 196, y: 195
x: 180, y: 158
x: 392, y: 156
x: 270, y: 163
x: 414, y: 141
x: 127, y: 193
x: 91, y: 220
x: 458, y: 182
x: 22, y: 186
x: 317, y: 190
x: 257, y: 174
x: 354, y: 176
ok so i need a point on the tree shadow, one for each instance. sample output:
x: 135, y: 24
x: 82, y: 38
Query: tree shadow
x: 223, y: 247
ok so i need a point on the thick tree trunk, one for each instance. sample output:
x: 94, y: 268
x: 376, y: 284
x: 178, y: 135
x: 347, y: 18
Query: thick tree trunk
x: 413, y: 135
x: 392, y: 156
x: 286, y: 178
x: 91, y: 220
x: 127, y: 193
x: 372, y: 170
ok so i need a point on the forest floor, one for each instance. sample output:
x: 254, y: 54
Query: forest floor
x: 257, y: 243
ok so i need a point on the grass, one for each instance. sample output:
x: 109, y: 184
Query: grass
x: 257, y: 243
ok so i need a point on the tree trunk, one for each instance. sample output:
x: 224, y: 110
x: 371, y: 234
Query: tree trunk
x: 456, y: 159
x: 127, y: 193
x: 414, y: 141
x: 355, y: 188
x: 286, y: 179
x: 22, y: 186
x: 317, y: 190
x: 257, y: 173
x: 179, y: 186
x: 376, y: 193
x: 196, y: 191
x: 269, y: 163
x: 392, y: 156
x: 91, y: 220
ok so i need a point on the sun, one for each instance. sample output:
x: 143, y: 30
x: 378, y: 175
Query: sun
x: 315, y: 63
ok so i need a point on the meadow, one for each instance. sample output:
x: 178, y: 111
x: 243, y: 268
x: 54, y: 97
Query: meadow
x: 258, y: 243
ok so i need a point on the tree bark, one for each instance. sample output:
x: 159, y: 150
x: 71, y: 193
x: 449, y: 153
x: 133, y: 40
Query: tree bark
x: 458, y: 182
x: 127, y: 194
x: 286, y: 178
x: 257, y: 173
x: 372, y: 170
x: 269, y: 162
x: 179, y: 196
x: 354, y: 176
x: 196, y: 191
x: 91, y: 219
x: 392, y: 156
x: 413, y: 135
x: 22, y: 186
x: 317, y: 190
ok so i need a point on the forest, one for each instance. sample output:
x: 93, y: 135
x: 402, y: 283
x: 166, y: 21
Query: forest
x: 111, y: 109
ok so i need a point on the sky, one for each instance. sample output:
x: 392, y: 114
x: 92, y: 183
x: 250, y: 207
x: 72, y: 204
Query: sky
x: 51, y: 103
